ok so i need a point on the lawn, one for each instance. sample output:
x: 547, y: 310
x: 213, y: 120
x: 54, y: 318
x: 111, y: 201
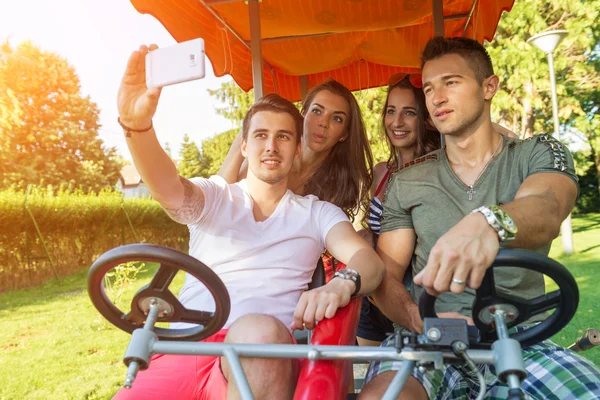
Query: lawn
x: 55, y: 345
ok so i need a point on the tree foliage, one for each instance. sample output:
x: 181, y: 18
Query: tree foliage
x: 190, y: 162
x: 524, y: 100
x: 49, y: 130
x: 214, y: 151
x: 236, y: 101
x: 371, y: 102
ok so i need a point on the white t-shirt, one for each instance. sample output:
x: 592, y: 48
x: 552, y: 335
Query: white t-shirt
x: 265, y: 265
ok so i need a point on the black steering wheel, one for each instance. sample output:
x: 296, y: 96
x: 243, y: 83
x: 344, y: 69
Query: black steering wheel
x: 171, y: 309
x: 518, y: 310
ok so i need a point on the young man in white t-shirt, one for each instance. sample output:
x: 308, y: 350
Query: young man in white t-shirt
x: 260, y: 238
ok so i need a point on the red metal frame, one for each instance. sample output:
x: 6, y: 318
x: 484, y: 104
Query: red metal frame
x: 329, y: 379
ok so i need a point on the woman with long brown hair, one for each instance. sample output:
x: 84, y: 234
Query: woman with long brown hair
x: 409, y: 136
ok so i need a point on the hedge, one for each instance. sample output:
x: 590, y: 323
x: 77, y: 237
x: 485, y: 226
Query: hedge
x: 76, y: 228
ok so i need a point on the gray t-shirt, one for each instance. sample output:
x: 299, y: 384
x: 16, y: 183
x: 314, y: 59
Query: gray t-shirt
x: 427, y: 196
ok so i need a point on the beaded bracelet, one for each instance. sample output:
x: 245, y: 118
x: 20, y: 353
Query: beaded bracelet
x: 128, y: 130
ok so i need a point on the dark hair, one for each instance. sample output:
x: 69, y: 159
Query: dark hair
x: 427, y: 141
x: 470, y: 50
x: 344, y: 178
x: 276, y: 103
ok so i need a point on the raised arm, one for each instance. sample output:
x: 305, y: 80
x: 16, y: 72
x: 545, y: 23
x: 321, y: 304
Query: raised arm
x: 234, y: 167
x: 396, y: 250
x: 137, y: 105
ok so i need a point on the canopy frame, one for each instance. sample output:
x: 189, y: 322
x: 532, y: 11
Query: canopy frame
x: 256, y: 41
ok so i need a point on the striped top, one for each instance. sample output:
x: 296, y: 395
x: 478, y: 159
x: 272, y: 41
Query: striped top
x: 376, y: 208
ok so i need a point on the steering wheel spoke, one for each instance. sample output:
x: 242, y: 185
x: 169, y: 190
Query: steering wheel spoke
x: 541, y: 304
x: 196, y: 316
x: 163, y: 278
x: 488, y: 284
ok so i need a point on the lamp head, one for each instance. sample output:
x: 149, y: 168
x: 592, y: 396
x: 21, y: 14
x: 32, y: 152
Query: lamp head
x: 547, y: 41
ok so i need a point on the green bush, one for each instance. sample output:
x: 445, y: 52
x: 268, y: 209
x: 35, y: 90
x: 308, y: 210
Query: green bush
x: 76, y: 228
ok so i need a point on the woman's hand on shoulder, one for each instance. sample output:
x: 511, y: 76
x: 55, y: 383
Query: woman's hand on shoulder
x: 504, y: 131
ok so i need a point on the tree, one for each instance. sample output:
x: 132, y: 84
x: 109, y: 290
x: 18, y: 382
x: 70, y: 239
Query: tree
x: 237, y: 102
x: 168, y: 150
x: 214, y: 151
x: 49, y: 129
x: 371, y: 102
x: 190, y: 163
x: 524, y: 100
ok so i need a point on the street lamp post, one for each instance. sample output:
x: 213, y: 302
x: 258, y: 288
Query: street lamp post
x: 547, y: 42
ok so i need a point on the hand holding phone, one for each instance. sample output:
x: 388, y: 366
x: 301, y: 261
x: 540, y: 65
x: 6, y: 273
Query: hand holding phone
x: 135, y: 101
x: 182, y: 62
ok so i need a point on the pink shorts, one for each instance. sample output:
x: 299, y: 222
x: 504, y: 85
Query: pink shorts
x: 174, y: 376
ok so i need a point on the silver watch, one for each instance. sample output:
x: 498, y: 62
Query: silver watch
x: 349, y: 274
x: 502, y: 223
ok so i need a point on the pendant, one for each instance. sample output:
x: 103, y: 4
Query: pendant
x: 471, y: 192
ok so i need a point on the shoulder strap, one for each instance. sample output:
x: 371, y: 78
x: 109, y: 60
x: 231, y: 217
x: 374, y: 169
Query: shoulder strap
x: 387, y: 173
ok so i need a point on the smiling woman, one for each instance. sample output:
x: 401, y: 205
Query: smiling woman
x: 404, y: 121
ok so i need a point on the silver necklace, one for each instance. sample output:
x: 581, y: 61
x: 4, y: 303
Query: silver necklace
x: 472, y: 191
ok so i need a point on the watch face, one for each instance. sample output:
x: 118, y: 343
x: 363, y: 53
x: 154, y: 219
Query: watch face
x: 507, y: 222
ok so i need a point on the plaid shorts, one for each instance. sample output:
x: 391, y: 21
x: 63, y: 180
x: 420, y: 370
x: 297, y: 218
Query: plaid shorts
x: 553, y: 372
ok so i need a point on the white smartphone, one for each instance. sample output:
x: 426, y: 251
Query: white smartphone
x: 175, y: 64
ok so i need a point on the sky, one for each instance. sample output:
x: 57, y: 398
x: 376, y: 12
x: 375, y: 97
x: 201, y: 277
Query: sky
x: 96, y: 38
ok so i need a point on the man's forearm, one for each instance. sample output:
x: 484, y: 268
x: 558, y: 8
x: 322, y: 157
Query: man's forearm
x: 396, y: 303
x: 370, y: 267
x: 156, y: 168
x: 537, y: 218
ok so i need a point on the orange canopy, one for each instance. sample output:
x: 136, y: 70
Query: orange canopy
x: 360, y: 43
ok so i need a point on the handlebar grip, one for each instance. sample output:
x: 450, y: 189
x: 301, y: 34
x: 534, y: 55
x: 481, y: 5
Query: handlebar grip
x: 589, y: 339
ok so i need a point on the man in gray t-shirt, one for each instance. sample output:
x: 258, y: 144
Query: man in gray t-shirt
x: 429, y: 198
x: 447, y: 214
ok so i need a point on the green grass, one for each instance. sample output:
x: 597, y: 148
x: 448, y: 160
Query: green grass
x: 55, y: 345
x: 585, y: 267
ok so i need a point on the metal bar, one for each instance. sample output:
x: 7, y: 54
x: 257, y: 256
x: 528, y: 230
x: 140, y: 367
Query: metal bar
x: 134, y: 366
x: 256, y: 48
x: 238, y: 374
x: 225, y: 24
x: 39, y: 233
x: 437, y: 12
x: 366, y: 353
x: 566, y: 228
x: 135, y: 236
x: 554, y: 97
x: 469, y: 18
x: 303, y: 86
x: 455, y: 16
x: 399, y: 381
x: 217, y: 2
x: 280, y: 38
